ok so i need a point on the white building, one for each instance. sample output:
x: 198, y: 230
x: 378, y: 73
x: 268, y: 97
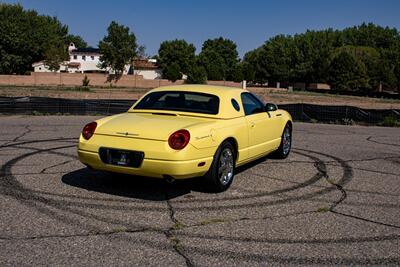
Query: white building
x: 41, y: 67
x: 147, y: 68
x: 87, y: 60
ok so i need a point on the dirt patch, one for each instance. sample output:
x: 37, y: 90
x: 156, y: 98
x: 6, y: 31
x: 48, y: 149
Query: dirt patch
x: 278, y: 96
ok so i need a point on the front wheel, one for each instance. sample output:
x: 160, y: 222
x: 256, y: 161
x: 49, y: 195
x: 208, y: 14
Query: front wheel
x: 286, y: 143
x: 220, y: 175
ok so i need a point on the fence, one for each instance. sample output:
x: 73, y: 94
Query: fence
x: 341, y: 114
x: 299, y: 112
x: 96, y: 79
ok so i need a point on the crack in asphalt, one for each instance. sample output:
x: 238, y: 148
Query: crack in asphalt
x: 214, y: 221
x: 170, y: 234
x: 27, y: 130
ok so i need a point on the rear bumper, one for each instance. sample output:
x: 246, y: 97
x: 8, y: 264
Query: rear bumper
x: 151, y: 167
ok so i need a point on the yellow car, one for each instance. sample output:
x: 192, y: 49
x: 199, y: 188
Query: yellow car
x: 186, y: 131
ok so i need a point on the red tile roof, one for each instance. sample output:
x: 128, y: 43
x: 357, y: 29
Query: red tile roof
x: 144, y: 64
x: 74, y: 64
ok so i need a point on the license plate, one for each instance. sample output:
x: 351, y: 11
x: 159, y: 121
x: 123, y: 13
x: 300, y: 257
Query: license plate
x: 125, y: 158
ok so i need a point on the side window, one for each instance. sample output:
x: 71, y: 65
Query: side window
x: 251, y: 104
x: 235, y: 104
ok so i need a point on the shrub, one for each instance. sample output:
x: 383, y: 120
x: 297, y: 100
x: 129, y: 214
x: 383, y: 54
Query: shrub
x: 81, y: 88
x: 391, y: 121
x: 347, y: 121
x: 197, y: 75
x: 85, y: 81
x: 172, y: 72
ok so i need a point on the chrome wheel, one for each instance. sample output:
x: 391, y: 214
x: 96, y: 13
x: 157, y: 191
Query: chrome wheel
x: 225, y: 167
x: 286, y: 141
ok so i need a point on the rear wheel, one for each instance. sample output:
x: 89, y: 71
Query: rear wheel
x: 286, y: 143
x: 221, y: 172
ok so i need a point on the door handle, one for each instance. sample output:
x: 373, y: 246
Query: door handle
x: 252, y: 124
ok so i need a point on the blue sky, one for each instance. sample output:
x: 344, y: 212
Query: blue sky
x: 249, y: 23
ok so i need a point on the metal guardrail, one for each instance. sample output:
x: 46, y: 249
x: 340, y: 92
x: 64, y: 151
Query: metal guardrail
x: 299, y: 112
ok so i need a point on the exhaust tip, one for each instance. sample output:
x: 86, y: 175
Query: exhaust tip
x: 169, y: 178
x: 89, y: 167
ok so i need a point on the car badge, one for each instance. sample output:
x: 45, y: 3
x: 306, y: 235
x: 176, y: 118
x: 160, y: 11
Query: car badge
x: 127, y: 133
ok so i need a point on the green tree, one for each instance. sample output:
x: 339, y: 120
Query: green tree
x: 220, y: 58
x: 197, y: 75
x: 141, y: 52
x: 118, y: 48
x: 26, y: 37
x: 176, y: 51
x: 307, y: 57
x: 172, y: 72
x: 214, y: 66
x: 347, y: 73
x: 254, y: 63
x: 236, y: 73
x: 277, y: 58
x: 55, y: 55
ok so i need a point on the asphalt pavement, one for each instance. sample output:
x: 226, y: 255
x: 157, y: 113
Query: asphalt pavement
x: 334, y: 200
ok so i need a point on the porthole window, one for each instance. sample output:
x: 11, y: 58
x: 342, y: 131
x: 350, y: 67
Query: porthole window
x: 235, y: 104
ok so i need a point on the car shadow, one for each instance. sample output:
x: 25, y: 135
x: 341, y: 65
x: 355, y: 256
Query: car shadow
x: 130, y: 186
x: 138, y: 187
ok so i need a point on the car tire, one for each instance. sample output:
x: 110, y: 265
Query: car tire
x: 220, y: 175
x: 286, y: 143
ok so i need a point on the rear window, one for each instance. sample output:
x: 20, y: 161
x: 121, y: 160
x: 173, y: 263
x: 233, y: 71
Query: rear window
x: 180, y: 101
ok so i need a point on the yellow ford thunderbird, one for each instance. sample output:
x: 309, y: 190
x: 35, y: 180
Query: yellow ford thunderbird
x: 186, y: 131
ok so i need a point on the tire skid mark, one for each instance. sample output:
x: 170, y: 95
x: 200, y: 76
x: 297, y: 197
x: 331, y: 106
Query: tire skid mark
x: 332, y: 162
x: 40, y: 141
x: 365, y: 219
x: 263, y: 258
x: 347, y: 175
x: 318, y: 176
x: 370, y: 139
x: 12, y: 188
x: 339, y: 187
x: 31, y: 200
x: 89, y: 234
x: 43, y: 171
x: 299, y: 185
x: 176, y: 243
x: 343, y: 240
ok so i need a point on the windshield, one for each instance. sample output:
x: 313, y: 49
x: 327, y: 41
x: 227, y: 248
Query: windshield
x: 180, y: 101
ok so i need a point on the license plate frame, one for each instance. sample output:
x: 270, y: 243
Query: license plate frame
x: 121, y: 157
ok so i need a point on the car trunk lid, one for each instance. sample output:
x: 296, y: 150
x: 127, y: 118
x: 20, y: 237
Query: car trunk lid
x: 156, y: 125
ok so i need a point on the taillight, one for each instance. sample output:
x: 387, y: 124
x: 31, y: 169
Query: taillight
x: 179, y: 139
x: 88, y: 130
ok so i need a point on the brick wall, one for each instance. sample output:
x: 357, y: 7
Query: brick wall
x: 96, y: 79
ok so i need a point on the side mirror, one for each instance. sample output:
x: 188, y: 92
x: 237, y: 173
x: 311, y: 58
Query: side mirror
x: 270, y: 107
